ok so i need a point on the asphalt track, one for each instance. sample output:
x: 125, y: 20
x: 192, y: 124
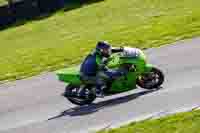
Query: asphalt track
x: 35, y: 105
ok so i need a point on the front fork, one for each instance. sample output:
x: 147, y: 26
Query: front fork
x: 143, y: 70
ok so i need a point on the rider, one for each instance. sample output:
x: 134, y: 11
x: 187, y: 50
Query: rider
x: 94, y: 70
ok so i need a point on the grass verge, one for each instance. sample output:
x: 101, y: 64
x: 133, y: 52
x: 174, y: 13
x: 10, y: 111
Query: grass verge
x: 187, y: 122
x: 3, y: 2
x: 64, y: 38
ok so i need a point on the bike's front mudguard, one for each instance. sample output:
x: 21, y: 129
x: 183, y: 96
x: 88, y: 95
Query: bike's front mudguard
x: 148, y: 68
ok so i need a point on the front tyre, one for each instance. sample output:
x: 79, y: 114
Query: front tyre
x: 72, y: 94
x: 154, y: 79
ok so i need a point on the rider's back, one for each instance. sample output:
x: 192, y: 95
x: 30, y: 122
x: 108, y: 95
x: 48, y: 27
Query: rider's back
x: 89, y: 65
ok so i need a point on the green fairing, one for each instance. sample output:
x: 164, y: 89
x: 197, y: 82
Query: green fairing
x: 128, y: 82
x: 71, y: 75
x: 124, y: 83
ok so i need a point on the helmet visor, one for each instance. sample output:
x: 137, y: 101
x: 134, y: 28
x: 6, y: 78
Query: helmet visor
x: 106, y: 52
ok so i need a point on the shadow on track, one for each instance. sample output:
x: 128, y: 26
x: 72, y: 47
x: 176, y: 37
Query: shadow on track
x: 92, y: 108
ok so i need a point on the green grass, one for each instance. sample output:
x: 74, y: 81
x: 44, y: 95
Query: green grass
x: 66, y: 37
x: 3, y: 2
x: 179, y: 123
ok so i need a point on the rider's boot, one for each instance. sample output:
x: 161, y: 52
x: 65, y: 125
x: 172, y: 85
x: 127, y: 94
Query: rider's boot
x: 100, y: 91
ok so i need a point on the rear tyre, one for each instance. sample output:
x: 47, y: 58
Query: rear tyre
x: 154, y: 79
x: 71, y: 94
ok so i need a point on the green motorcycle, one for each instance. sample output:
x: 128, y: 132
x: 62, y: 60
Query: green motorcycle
x: 140, y: 73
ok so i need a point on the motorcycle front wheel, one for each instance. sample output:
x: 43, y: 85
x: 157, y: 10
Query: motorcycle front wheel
x: 153, y: 79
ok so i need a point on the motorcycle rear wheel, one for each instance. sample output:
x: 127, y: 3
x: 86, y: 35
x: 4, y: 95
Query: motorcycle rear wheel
x: 78, y: 100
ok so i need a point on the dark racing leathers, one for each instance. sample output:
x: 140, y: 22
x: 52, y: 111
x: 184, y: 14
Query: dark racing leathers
x: 93, y: 70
